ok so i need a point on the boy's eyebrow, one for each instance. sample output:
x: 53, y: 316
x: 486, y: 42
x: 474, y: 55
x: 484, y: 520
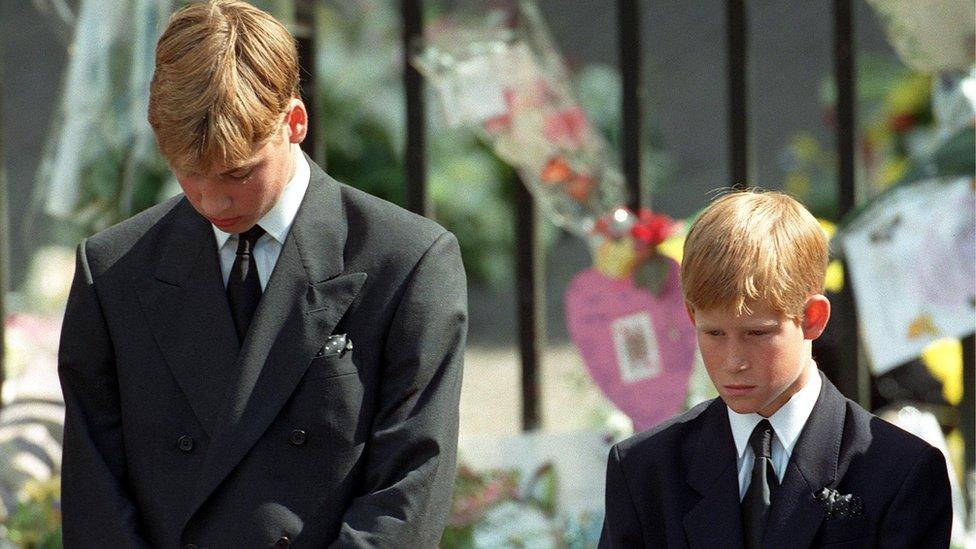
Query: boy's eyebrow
x: 762, y: 324
x: 771, y: 323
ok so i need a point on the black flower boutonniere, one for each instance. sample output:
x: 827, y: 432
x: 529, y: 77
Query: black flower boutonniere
x: 837, y: 505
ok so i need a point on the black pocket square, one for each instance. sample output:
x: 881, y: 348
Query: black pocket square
x: 336, y: 345
x: 837, y: 505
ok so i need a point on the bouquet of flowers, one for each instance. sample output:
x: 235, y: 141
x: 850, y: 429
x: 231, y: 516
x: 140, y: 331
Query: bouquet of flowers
x: 508, y: 82
x: 628, y: 244
x: 496, y: 504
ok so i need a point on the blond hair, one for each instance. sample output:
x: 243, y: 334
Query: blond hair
x: 225, y: 73
x: 752, y: 247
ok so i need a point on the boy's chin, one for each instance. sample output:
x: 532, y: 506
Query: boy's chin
x: 744, y: 406
x: 739, y: 407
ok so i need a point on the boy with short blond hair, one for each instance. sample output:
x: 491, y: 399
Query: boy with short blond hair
x: 271, y: 357
x: 781, y: 458
x: 226, y: 73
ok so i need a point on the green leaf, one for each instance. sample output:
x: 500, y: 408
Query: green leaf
x: 652, y: 273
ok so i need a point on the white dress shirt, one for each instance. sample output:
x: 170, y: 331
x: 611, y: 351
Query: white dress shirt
x: 787, y: 423
x: 276, y: 224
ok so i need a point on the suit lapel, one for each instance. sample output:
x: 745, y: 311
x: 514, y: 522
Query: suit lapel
x: 186, y: 308
x: 796, y: 514
x: 305, y: 298
x: 715, y: 521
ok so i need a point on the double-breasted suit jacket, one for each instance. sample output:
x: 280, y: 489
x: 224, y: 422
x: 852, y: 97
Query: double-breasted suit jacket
x: 677, y: 484
x: 178, y: 434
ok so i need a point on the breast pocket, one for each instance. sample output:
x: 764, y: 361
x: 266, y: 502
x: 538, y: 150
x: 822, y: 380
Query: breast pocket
x: 328, y: 404
x: 326, y: 367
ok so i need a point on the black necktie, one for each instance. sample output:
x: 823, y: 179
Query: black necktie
x: 243, y: 286
x: 758, y: 498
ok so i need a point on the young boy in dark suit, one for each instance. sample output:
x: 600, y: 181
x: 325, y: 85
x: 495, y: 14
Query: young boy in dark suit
x: 272, y: 357
x: 781, y: 458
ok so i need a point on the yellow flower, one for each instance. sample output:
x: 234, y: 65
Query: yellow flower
x: 834, y: 279
x: 909, y: 94
x: 943, y: 358
x: 957, y: 452
x: 42, y: 490
x: 828, y: 227
x: 673, y: 247
x: 892, y: 171
x: 615, y: 258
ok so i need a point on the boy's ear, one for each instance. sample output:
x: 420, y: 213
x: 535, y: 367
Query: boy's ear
x: 816, y: 313
x: 296, y: 117
x: 691, y: 313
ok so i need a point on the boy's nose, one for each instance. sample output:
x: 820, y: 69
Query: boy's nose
x: 735, y: 361
x: 214, y: 204
x: 736, y: 364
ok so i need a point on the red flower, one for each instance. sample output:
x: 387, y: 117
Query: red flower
x: 602, y: 226
x: 651, y: 228
x: 901, y: 123
x: 579, y: 188
x: 556, y: 170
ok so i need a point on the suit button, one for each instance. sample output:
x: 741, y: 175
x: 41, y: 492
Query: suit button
x: 282, y: 542
x: 297, y: 437
x: 185, y: 444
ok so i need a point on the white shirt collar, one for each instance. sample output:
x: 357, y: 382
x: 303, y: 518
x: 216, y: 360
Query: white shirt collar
x: 787, y: 422
x: 277, y: 222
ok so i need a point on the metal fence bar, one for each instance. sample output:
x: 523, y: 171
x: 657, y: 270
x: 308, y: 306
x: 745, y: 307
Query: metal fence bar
x: 844, y: 76
x: 854, y: 382
x: 738, y: 121
x: 967, y: 412
x: 529, y: 290
x: 4, y: 253
x: 629, y: 36
x: 305, y: 36
x: 416, y: 175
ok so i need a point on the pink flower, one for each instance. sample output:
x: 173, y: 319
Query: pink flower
x: 566, y: 127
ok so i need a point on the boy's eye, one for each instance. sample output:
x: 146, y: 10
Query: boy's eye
x: 239, y: 175
x: 757, y: 332
x: 714, y: 333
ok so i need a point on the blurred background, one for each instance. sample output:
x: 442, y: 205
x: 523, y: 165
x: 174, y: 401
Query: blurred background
x: 720, y: 93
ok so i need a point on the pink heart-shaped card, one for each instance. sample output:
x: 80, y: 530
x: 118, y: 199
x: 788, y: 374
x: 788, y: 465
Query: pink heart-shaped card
x: 638, y: 346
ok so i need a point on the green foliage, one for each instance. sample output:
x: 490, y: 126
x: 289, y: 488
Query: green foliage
x: 894, y: 109
x: 115, y: 186
x: 477, y: 494
x: 36, y: 523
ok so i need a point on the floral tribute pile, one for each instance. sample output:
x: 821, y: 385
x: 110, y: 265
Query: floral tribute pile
x: 505, y: 80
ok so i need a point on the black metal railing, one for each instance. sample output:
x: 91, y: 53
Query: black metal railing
x: 852, y: 377
x: 631, y: 97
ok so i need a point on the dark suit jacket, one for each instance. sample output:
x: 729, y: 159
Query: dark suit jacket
x: 677, y: 485
x: 175, y: 436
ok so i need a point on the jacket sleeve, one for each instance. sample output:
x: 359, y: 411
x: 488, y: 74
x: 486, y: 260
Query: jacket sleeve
x: 411, y: 452
x: 96, y: 510
x: 920, y: 516
x: 621, y: 526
